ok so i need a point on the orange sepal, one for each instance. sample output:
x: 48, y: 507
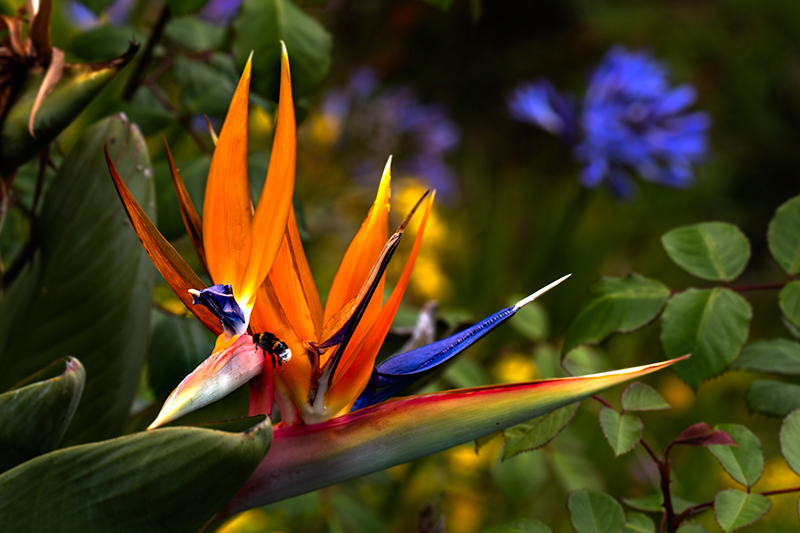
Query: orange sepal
x: 171, y: 265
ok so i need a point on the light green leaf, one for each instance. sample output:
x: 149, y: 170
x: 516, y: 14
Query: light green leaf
x: 691, y: 528
x: 790, y: 440
x: 735, y: 509
x: 639, y: 523
x: 744, y: 463
x: 536, y: 433
x: 781, y: 356
x: 774, y: 398
x: 715, y: 251
x: 710, y: 324
x: 616, y: 305
x: 642, y: 397
x: 530, y: 321
x: 88, y: 289
x: 789, y: 301
x: 194, y: 33
x: 585, y: 360
x: 261, y: 25
x: 170, y: 480
x: 35, y: 414
x: 783, y: 236
x: 622, y: 431
x: 652, y: 503
x: 523, y: 525
x: 595, y: 512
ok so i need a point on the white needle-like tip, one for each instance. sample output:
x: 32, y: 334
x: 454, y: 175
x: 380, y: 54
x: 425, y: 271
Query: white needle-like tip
x: 194, y: 292
x: 525, y: 301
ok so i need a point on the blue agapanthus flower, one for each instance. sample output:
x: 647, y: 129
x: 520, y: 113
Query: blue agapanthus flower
x: 631, y: 119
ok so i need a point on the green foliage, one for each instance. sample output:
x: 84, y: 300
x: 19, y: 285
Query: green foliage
x: 616, y: 305
x: 735, y: 509
x: 710, y: 324
x: 744, y: 462
x: 783, y: 236
x: 194, y: 34
x: 169, y: 480
x: 42, y: 319
x: 715, y: 251
x: 789, y: 301
x: 642, y: 397
x: 208, y: 88
x: 790, y: 440
x: 530, y: 321
x: 781, y: 356
x: 523, y: 525
x: 595, y: 512
x: 622, y: 431
x: 104, y: 42
x: 34, y: 415
x: 639, y: 523
x: 536, y: 433
x: 774, y: 398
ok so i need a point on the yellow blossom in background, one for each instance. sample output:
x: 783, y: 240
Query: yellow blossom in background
x: 516, y: 367
x: 253, y: 521
x: 676, y: 393
x: 465, y: 512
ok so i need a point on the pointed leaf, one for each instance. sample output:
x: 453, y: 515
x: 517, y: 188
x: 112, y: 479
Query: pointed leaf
x: 35, y: 416
x: 744, y: 462
x: 701, y: 434
x: 622, y: 431
x: 715, y: 251
x: 773, y: 398
x: 523, y: 525
x: 616, y: 305
x: 790, y: 440
x: 595, y: 512
x: 88, y: 289
x: 306, y: 458
x: 783, y: 236
x: 789, y: 301
x: 165, y: 481
x: 537, y: 432
x: 642, y: 397
x: 735, y: 509
x: 639, y: 523
x: 781, y: 356
x: 710, y: 324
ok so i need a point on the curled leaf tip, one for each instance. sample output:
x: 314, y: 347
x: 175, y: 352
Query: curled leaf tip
x: 525, y: 301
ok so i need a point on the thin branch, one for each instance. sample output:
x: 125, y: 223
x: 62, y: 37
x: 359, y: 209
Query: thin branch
x: 181, y: 119
x: 147, y: 54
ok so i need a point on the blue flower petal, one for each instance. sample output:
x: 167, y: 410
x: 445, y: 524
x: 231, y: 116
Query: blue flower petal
x: 220, y: 301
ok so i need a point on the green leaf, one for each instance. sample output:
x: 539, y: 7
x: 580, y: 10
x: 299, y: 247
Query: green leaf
x: 104, y: 42
x: 745, y: 462
x: 522, y: 476
x: 789, y: 301
x: 622, y: 431
x: 710, y: 324
x: 641, y: 397
x: 639, y: 523
x: 715, y: 251
x: 773, y: 398
x: 783, y: 236
x: 185, y: 6
x: 207, y: 88
x: 530, y: 321
x: 194, y: 33
x: 170, y: 480
x: 89, y: 286
x: 178, y: 345
x: 193, y: 173
x: 595, y: 512
x: 691, y: 528
x: 616, y: 305
x: 260, y: 27
x: 735, y: 509
x: 790, y: 440
x: 523, y: 525
x: 781, y: 356
x: 585, y: 360
x: 652, y: 503
x: 34, y: 417
x: 536, y: 433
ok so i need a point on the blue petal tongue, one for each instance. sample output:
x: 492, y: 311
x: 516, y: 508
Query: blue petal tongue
x: 220, y: 301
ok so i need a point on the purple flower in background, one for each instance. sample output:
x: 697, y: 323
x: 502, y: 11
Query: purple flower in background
x: 220, y: 12
x: 631, y: 119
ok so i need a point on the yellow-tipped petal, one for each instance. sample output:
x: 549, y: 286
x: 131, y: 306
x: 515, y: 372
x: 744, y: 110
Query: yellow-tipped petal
x: 275, y: 202
x: 227, y: 206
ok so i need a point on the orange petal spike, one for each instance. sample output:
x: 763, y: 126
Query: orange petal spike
x: 227, y: 207
x: 361, y: 255
x: 194, y: 227
x: 275, y: 203
x: 356, y: 369
x: 294, y: 285
x: 171, y: 265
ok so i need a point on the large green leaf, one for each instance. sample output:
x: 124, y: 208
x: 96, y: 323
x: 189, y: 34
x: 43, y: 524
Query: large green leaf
x: 774, y: 398
x: 536, y: 433
x: 713, y: 250
x: 744, y: 462
x: 735, y: 509
x: 642, y: 397
x: 87, y: 292
x: 622, y: 431
x: 207, y: 87
x: 783, y: 236
x: 639, y: 523
x: 789, y: 301
x: 169, y: 480
x: 790, y: 440
x: 781, y: 356
x: 616, y: 305
x: 710, y: 324
x: 260, y: 27
x: 35, y: 414
x: 595, y: 512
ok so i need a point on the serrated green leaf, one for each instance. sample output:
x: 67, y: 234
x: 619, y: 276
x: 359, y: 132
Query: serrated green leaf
x: 735, y: 509
x: 35, y: 414
x: 642, y: 397
x: 523, y: 525
x: 781, y: 356
x: 790, y: 440
x: 595, y: 512
x: 716, y: 251
x: 260, y: 27
x: 530, y: 321
x: 652, y: 503
x: 639, y: 523
x: 170, y: 480
x: 744, y: 463
x: 773, y: 398
x: 616, y: 305
x: 89, y: 287
x: 622, y: 431
x: 536, y: 433
x: 710, y: 324
x: 194, y: 33
x: 783, y: 236
x: 789, y: 301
